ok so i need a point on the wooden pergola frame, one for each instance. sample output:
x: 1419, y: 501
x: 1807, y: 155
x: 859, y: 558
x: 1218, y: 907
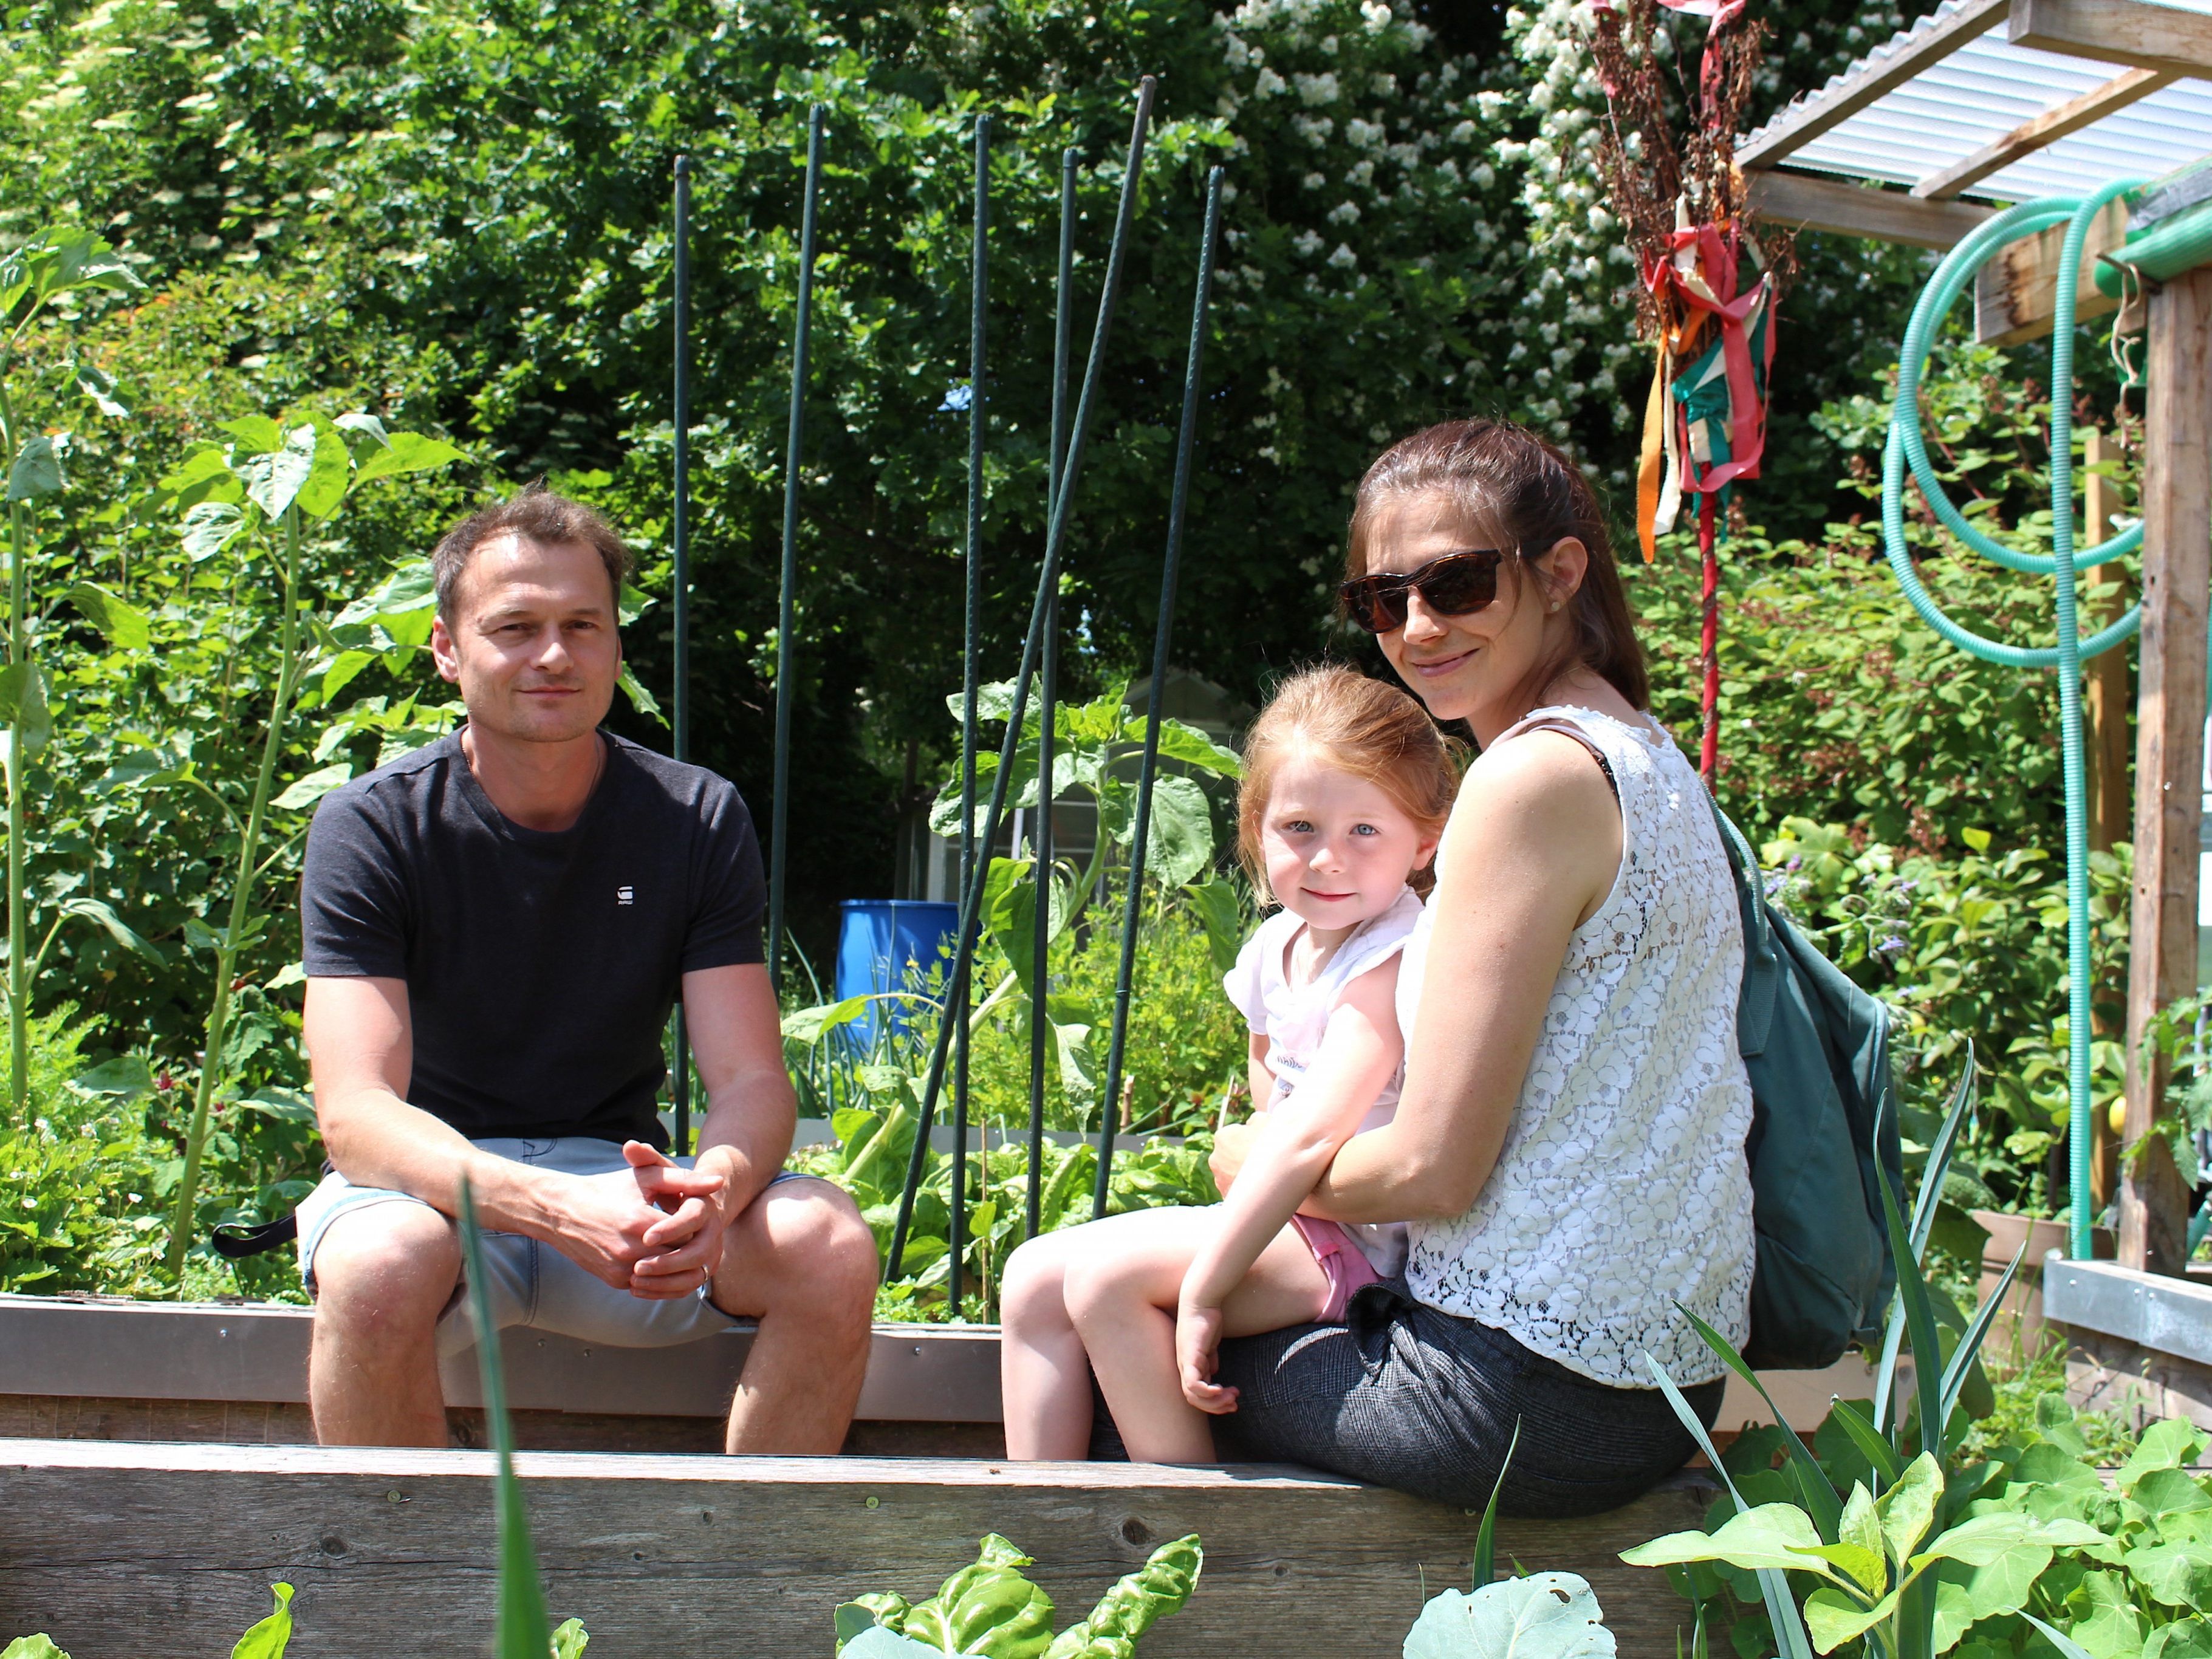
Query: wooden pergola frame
x: 2153, y: 45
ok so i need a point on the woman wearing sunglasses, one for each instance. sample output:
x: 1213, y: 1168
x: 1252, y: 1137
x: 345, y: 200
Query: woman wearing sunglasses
x: 1570, y: 1143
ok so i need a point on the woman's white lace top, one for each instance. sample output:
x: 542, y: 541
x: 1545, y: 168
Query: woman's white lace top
x: 1293, y: 1018
x: 1622, y: 1187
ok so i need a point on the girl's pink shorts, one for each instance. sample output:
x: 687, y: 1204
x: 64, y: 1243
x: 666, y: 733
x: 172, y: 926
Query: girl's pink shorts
x: 1343, y: 1264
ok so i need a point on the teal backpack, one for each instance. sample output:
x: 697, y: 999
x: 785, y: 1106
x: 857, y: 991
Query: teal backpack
x: 1824, y: 1113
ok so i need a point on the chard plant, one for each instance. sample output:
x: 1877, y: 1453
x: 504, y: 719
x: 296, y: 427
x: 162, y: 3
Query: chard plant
x: 53, y: 266
x: 990, y: 1609
x: 268, y: 487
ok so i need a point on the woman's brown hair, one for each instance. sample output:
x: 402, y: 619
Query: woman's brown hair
x: 1362, y: 726
x: 1503, y: 480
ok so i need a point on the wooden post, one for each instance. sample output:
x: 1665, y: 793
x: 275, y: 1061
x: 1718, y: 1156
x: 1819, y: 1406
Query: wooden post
x: 2177, y: 563
x: 2111, y: 803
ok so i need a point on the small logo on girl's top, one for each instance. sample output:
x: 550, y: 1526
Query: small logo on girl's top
x: 624, y: 895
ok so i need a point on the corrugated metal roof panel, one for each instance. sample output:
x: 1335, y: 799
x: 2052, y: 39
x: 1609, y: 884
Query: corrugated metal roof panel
x: 1984, y: 90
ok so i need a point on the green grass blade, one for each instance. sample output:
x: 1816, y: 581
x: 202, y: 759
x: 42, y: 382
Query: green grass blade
x: 1820, y: 1500
x: 524, y: 1631
x: 1486, y: 1538
x: 2065, y: 1645
x: 1955, y: 1374
x: 1930, y: 1195
x: 1869, y: 1439
x: 1884, y: 1375
x: 1773, y: 1586
x: 1920, y: 1318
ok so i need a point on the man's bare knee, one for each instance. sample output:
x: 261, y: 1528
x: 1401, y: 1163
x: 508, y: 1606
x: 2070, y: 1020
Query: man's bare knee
x: 386, y: 1269
x: 812, y: 1253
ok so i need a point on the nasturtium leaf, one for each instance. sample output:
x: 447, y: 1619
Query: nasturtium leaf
x: 210, y: 526
x: 2185, y: 1639
x: 268, y: 1639
x: 127, y: 1076
x: 2169, y: 1491
x: 406, y: 452
x: 127, y: 628
x: 2178, y: 1575
x: 1986, y: 1538
x: 307, y: 791
x: 879, y: 1641
x: 1546, y: 1615
x: 36, y: 471
x: 2168, y: 1444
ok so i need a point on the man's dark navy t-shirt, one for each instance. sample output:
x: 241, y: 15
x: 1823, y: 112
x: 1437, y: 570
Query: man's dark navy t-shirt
x: 540, y: 968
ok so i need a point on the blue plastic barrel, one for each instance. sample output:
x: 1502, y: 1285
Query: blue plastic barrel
x: 890, y: 945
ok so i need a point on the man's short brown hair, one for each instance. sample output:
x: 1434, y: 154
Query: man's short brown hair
x: 536, y: 515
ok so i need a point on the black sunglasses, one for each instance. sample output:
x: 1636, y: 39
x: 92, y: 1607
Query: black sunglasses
x: 1452, y: 585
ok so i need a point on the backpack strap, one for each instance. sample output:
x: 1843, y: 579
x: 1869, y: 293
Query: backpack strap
x: 1762, y: 961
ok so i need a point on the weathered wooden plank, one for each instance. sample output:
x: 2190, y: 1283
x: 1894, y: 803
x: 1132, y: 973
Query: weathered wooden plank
x: 164, y: 1551
x: 2177, y: 564
x: 2134, y: 31
x: 1887, y: 67
x: 1850, y: 210
x: 2048, y: 128
x: 2105, y: 704
x: 2016, y: 292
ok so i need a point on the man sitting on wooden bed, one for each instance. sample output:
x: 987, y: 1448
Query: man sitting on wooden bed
x: 496, y: 929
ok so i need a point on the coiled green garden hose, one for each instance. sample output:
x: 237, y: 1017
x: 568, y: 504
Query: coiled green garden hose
x: 1906, y: 448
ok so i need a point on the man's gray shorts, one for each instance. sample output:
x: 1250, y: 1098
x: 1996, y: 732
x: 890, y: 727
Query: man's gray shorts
x: 533, y: 1284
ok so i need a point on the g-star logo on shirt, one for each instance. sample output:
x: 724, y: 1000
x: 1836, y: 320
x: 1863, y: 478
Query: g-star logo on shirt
x: 623, y: 894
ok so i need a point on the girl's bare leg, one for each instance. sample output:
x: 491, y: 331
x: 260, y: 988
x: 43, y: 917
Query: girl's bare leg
x: 1044, y: 1376
x: 1121, y: 1286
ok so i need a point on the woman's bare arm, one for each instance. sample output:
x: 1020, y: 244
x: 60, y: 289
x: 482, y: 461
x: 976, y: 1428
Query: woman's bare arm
x: 1531, y: 852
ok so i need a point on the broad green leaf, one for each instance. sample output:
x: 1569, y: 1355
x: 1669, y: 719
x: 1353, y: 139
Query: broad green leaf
x: 57, y: 259
x: 307, y: 791
x: 341, y: 670
x: 406, y: 452
x: 274, y: 477
x: 945, y: 813
x: 1215, y: 902
x: 96, y: 910
x: 878, y: 1642
x: 285, y: 1105
x: 1908, y: 1509
x: 1954, y: 1616
x: 291, y: 973
x: 23, y: 705
x: 2178, y: 1575
x: 1865, y: 1566
x: 364, y: 434
x: 1986, y: 1538
x: 268, y: 1639
x: 634, y: 603
x: 100, y: 387
x: 127, y: 1077
x: 1861, y: 1524
x: 808, y: 1025
x: 1776, y: 1535
x: 205, y: 474
x: 1179, y: 842
x: 985, y: 1608
x: 127, y: 628
x: 2187, y: 1639
x: 1546, y: 1615
x: 640, y: 698
x: 2167, y: 1444
x: 1832, y: 1617
x: 32, y: 1647
x: 864, y: 1613
x: 210, y: 526
x: 37, y: 470
x: 1074, y: 1022
x: 412, y: 585
x: 330, y: 470
x: 256, y: 435
x: 1193, y: 747
x: 570, y: 1640
x: 2169, y: 1491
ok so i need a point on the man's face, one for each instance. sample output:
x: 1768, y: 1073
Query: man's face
x: 532, y: 643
